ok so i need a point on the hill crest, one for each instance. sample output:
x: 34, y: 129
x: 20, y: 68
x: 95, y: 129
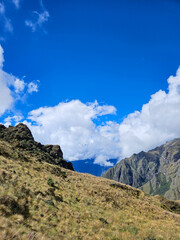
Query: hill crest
x: 21, y: 138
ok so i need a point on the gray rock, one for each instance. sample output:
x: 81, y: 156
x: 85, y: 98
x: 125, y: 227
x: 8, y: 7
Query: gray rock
x: 155, y: 172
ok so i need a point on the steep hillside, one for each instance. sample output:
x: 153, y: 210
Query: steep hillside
x: 41, y: 200
x: 22, y: 141
x: 155, y: 172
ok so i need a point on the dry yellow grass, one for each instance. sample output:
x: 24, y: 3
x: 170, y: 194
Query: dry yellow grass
x: 43, y: 201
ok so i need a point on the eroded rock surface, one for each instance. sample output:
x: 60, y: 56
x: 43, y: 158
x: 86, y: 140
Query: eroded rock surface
x: 155, y: 172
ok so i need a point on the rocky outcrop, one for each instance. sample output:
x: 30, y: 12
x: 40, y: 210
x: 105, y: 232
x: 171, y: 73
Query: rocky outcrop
x: 54, y: 150
x: 155, y: 172
x: 21, y: 138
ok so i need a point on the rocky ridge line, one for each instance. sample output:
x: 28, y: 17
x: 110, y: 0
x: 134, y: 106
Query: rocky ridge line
x: 21, y: 138
x: 155, y: 172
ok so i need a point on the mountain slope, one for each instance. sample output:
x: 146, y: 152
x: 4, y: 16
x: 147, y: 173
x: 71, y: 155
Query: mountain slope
x: 41, y: 200
x: 155, y: 172
x: 21, y: 139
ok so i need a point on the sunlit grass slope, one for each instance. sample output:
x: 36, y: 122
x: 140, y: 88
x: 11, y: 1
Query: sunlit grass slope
x: 39, y: 200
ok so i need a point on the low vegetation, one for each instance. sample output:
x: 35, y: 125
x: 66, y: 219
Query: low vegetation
x: 38, y: 203
x: 42, y: 201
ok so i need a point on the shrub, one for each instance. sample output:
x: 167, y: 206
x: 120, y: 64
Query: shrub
x: 50, y: 182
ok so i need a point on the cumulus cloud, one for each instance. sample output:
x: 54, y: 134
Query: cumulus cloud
x: 156, y: 123
x: 19, y: 85
x: 6, y: 99
x: 32, y: 87
x: 71, y: 125
x: 11, y: 87
x: 38, y: 19
x: 12, y: 120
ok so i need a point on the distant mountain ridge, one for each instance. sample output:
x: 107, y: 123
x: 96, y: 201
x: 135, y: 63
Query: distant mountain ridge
x: 88, y: 166
x: 155, y: 172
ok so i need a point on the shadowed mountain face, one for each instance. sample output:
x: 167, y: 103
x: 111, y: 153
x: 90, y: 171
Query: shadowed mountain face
x: 155, y: 172
x: 20, y: 137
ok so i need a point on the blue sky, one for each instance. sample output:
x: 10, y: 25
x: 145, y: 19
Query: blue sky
x: 117, y: 53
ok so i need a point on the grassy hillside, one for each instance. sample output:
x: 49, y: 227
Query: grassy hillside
x: 40, y: 200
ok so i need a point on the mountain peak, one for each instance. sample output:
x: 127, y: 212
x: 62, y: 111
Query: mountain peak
x: 19, y: 132
x: 21, y: 138
x: 155, y: 172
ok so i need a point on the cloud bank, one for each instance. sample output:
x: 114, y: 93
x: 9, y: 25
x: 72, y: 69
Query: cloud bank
x: 72, y: 125
x: 156, y: 123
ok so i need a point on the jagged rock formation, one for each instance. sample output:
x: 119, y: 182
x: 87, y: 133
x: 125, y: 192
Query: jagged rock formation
x: 155, y: 172
x: 21, y: 139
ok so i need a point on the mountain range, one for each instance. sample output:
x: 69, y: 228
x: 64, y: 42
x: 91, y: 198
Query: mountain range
x: 155, y: 172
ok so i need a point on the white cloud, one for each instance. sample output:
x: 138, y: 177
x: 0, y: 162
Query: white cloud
x: 6, y: 99
x: 16, y: 3
x: 2, y: 8
x: 5, y: 22
x: 7, y: 25
x: 11, y: 87
x: 156, y: 123
x: 102, y: 160
x: 38, y: 20
x: 12, y: 120
x: 71, y: 125
x: 32, y: 87
x: 1, y: 57
x: 19, y: 85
